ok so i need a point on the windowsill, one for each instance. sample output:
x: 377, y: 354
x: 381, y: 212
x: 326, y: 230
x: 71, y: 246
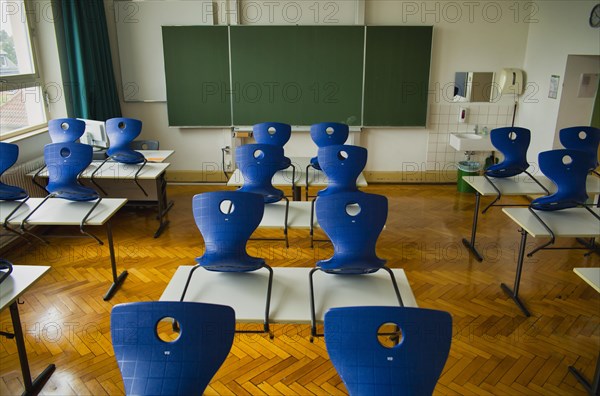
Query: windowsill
x: 26, y: 135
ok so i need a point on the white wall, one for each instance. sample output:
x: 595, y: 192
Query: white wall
x: 561, y: 30
x: 575, y: 110
x: 465, y: 39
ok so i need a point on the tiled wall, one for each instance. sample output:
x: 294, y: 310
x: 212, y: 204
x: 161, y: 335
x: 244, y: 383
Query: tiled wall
x: 443, y: 120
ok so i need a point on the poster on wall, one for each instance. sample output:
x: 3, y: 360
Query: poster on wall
x: 553, y: 92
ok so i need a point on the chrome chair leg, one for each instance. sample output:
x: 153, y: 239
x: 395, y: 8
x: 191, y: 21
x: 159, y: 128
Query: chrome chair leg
x: 82, y: 224
x: 135, y: 178
x: 92, y: 177
x: 547, y: 228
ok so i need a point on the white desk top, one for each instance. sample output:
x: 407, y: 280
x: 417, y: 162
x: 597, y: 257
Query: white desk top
x: 156, y: 155
x: 590, y: 275
x: 290, y: 296
x: 117, y: 170
x: 56, y: 211
x: 284, y: 177
x: 575, y: 222
x: 17, y: 283
x: 298, y: 215
x: 523, y: 185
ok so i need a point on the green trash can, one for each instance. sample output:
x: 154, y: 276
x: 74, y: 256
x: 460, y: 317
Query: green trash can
x: 466, y: 168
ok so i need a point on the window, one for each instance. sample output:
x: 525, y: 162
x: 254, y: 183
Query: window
x: 22, y: 106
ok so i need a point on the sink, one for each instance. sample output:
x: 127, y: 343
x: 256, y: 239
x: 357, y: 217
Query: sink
x: 470, y: 142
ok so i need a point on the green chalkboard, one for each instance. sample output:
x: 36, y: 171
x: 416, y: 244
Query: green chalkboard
x: 297, y: 74
x: 197, y: 75
x: 397, y: 75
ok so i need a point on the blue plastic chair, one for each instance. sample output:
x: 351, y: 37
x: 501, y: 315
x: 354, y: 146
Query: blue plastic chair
x: 258, y: 163
x: 65, y: 129
x: 584, y: 138
x: 121, y: 132
x: 325, y: 134
x: 513, y: 143
x: 275, y: 134
x: 65, y: 161
x: 353, y: 222
x: 151, y: 366
x: 411, y: 367
x: 568, y: 170
x: 9, y: 154
x: 226, y: 220
x: 342, y: 164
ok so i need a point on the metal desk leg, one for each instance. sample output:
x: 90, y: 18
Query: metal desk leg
x: 592, y: 389
x: 471, y: 245
x: 31, y: 387
x: 515, y: 294
x: 163, y: 205
x: 117, y: 280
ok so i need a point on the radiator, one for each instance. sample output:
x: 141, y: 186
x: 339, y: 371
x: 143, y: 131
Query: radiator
x: 16, y: 175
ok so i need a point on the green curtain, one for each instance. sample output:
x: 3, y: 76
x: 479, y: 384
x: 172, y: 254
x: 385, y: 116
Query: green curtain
x: 88, y: 73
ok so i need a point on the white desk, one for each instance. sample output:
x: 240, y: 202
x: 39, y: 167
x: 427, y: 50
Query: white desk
x: 19, y: 281
x: 520, y: 185
x: 60, y: 212
x: 576, y: 223
x: 283, y: 178
x: 114, y: 180
x: 156, y: 155
x: 290, y: 295
x: 298, y: 215
x: 592, y: 277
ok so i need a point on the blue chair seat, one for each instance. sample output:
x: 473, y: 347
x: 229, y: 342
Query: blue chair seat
x: 11, y: 193
x: 216, y: 263
x: 314, y: 162
x: 128, y: 157
x: 75, y: 193
x: 513, y: 143
x: 501, y: 170
x: 353, y: 266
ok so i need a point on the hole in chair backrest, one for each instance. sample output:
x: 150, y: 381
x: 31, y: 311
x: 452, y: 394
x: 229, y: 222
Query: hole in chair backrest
x: 144, y: 146
x: 226, y: 206
x: 352, y: 209
x: 582, y: 135
x: 342, y: 155
x: 64, y: 126
x: 168, y: 329
x: 65, y: 152
x: 259, y: 154
x: 512, y: 135
x: 121, y: 125
x: 389, y: 335
x: 272, y: 130
x: 567, y: 160
x: 329, y: 131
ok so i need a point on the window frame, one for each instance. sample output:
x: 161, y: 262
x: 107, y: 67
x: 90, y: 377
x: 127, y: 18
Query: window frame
x: 23, y: 81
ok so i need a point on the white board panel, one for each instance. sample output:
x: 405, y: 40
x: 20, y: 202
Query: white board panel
x: 139, y: 37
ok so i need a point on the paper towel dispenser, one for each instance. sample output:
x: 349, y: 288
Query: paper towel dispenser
x: 510, y: 81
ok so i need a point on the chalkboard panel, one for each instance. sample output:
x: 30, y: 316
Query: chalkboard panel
x: 297, y: 74
x: 197, y: 75
x: 397, y: 75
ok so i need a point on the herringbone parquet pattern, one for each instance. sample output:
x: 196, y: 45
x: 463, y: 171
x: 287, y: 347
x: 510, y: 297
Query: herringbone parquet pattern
x: 495, y: 349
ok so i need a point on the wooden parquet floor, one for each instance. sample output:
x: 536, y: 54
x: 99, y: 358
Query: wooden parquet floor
x: 495, y: 349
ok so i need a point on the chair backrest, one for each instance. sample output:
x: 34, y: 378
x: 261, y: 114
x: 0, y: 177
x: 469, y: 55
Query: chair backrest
x: 121, y: 132
x: 151, y: 366
x: 65, y: 129
x: 329, y: 133
x: 258, y: 163
x: 64, y: 162
x: 144, y: 145
x: 412, y: 367
x: 353, y: 222
x: 513, y: 143
x: 568, y: 169
x: 275, y: 133
x: 584, y: 138
x: 342, y: 164
x: 226, y: 219
x: 9, y: 153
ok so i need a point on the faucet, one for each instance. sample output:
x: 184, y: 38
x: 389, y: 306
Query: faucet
x: 476, y: 129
